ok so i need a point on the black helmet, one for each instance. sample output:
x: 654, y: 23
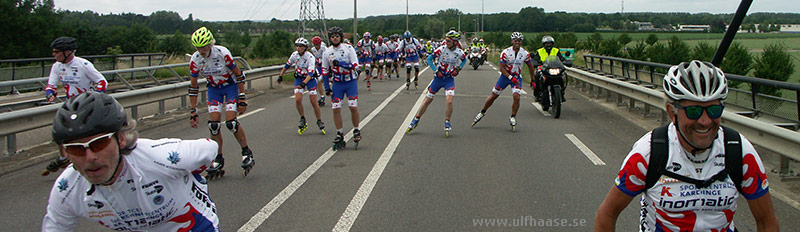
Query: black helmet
x: 87, y: 114
x: 64, y: 43
x: 335, y: 30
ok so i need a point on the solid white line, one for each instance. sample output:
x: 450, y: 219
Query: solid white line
x: 250, y: 113
x: 589, y: 154
x: 287, y: 192
x: 354, y: 208
x: 538, y: 107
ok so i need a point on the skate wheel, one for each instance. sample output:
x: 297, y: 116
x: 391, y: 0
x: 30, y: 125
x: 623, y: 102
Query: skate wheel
x: 447, y: 134
x: 513, y: 128
x: 245, y: 172
x: 323, y: 131
x: 355, y: 146
x: 408, y: 130
x: 45, y: 172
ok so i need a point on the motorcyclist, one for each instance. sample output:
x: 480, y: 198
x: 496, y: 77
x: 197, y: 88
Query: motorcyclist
x: 548, y: 49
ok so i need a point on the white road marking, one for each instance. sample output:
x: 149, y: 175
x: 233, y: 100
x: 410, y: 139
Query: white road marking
x: 357, y: 203
x: 250, y: 113
x: 589, y: 154
x: 287, y: 192
x: 539, y: 107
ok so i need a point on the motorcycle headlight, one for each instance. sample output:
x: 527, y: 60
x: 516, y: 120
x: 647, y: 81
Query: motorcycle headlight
x: 554, y: 71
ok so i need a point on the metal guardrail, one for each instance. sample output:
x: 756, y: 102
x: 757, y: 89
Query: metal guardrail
x: 46, y: 60
x: 18, y: 121
x: 780, y: 140
x: 651, y: 67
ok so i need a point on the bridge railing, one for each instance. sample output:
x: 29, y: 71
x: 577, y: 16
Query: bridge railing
x: 651, y: 74
x: 45, y: 63
x: 23, y: 120
x: 782, y: 140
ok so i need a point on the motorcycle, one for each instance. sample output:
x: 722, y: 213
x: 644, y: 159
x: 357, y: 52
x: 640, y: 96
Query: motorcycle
x: 483, y: 55
x: 475, y: 58
x: 554, y: 81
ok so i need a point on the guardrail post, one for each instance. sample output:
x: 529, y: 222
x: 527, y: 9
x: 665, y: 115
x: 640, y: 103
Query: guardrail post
x: 592, y: 62
x: 754, y: 94
x: 270, y: 82
x: 183, y: 102
x: 632, y: 104
x: 652, y: 76
x: 611, y: 66
x: 601, y: 64
x: 636, y: 71
x: 203, y: 96
x: 249, y: 85
x: 646, y: 110
x: 132, y: 59
x: 161, y: 107
x: 135, y: 112
x: 11, y: 144
x: 798, y: 104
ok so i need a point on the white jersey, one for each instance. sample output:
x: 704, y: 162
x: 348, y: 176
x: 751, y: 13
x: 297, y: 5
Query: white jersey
x: 159, y: 188
x: 318, y: 53
x: 672, y: 205
x: 217, y: 68
x: 365, y: 48
x: 303, y: 64
x: 392, y: 45
x: 77, y: 75
x: 409, y: 48
x: 346, y: 56
x: 514, y: 60
x: 448, y: 60
x: 381, y: 49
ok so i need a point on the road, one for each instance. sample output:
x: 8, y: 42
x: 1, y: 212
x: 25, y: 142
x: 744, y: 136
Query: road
x: 420, y: 181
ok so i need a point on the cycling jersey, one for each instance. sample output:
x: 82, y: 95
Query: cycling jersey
x: 159, y: 188
x: 392, y: 45
x: 77, y: 76
x: 448, y: 60
x: 318, y: 53
x: 672, y: 205
x: 410, y: 48
x: 514, y: 60
x: 381, y: 51
x: 303, y: 64
x: 345, y: 55
x: 217, y: 67
x: 365, y: 48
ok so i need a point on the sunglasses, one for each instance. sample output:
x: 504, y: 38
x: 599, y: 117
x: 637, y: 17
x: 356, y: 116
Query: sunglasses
x: 96, y: 144
x: 694, y: 112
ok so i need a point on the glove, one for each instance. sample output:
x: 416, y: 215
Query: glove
x: 328, y: 92
x: 456, y: 71
x: 280, y: 79
x: 439, y: 74
x: 514, y: 80
x: 302, y: 85
x: 335, y: 63
x: 533, y: 85
x: 193, y: 118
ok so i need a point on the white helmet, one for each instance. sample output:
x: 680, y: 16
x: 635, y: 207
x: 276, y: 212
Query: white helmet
x: 548, y: 39
x: 301, y: 41
x: 696, y: 81
x: 516, y: 35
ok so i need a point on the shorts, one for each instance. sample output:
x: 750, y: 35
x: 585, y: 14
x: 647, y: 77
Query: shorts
x: 223, y: 95
x: 310, y: 86
x: 412, y: 60
x: 340, y: 88
x: 503, y: 82
x: 448, y: 83
x: 364, y: 60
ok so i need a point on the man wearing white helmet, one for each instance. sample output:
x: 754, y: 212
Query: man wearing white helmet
x: 304, y: 78
x: 548, y: 49
x: 691, y: 171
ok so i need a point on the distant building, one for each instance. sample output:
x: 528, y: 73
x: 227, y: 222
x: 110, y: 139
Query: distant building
x: 702, y: 28
x: 790, y: 28
x: 644, y: 26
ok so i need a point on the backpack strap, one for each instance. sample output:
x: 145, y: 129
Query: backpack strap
x: 733, y: 156
x: 659, y: 148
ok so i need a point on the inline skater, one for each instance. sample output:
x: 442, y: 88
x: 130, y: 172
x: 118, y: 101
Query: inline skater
x: 303, y: 79
x: 317, y: 50
x: 412, y: 50
x: 691, y: 172
x: 366, y: 54
x: 511, y: 61
x: 381, y: 54
x: 77, y: 74
x: 339, y: 64
x: 124, y: 182
x: 391, y: 58
x: 448, y: 62
x: 225, y: 91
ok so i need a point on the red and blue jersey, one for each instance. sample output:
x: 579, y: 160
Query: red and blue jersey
x: 514, y: 60
x: 217, y: 67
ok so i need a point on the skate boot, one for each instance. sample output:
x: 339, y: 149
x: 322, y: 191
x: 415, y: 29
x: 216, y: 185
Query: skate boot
x: 321, y: 126
x: 54, y: 166
x: 477, y: 119
x: 408, y: 83
x: 321, y: 101
x: 369, y: 85
x: 413, y: 125
x: 216, y: 171
x: 302, y: 126
x: 338, y: 141
x: 356, y: 137
x: 513, y: 122
x: 247, y: 161
x: 416, y: 83
x: 447, y: 129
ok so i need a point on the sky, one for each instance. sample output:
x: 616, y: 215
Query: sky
x: 228, y: 10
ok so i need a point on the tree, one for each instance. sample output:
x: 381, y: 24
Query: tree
x: 703, y: 51
x: 610, y: 47
x: 275, y: 44
x: 593, y: 42
x: 624, y: 39
x: 775, y: 63
x: 177, y: 44
x: 717, y: 26
x: 652, y: 39
x: 163, y: 22
x: 246, y: 39
x: 638, y: 51
x: 678, y: 51
x: 657, y: 53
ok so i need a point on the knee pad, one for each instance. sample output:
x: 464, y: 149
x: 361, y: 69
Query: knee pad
x: 213, y: 126
x: 233, y: 125
x: 408, y: 69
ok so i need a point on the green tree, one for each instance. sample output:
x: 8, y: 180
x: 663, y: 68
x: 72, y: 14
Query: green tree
x: 610, y: 47
x: 177, y: 44
x: 163, y: 22
x: 737, y: 61
x: 775, y: 63
x: 593, y: 42
x: 638, y: 51
x: 652, y: 39
x: 703, y: 51
x: 658, y: 53
x: 275, y: 44
x: 624, y: 39
x: 246, y: 39
x: 678, y: 51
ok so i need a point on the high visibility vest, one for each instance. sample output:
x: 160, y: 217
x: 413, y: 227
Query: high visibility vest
x: 543, y: 53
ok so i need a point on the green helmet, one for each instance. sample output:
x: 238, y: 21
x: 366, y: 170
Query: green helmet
x: 202, y: 37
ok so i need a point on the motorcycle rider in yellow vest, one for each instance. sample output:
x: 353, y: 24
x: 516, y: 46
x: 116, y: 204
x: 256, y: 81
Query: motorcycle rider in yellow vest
x: 539, y: 56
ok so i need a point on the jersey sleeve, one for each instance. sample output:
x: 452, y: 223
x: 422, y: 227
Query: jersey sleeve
x: 60, y: 216
x: 198, y: 154
x: 631, y: 177
x: 312, y: 64
x: 194, y: 70
x: 228, y: 58
x: 754, y: 179
x: 353, y: 58
x: 503, y: 58
x: 527, y: 58
x: 326, y: 63
x: 292, y: 59
x: 95, y: 76
x: 52, y: 82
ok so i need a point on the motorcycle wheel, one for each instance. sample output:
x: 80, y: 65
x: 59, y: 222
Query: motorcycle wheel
x: 556, y: 101
x: 545, y: 100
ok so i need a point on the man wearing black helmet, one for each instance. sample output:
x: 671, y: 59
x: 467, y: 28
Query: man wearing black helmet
x: 339, y: 64
x: 123, y: 182
x: 77, y: 74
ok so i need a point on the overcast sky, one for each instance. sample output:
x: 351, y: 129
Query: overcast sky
x: 228, y: 10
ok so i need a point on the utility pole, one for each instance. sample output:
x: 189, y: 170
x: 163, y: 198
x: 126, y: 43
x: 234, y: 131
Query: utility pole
x: 355, y: 22
x: 406, y: 15
x: 482, y: 22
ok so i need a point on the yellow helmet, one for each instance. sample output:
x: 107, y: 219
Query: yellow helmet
x: 202, y: 37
